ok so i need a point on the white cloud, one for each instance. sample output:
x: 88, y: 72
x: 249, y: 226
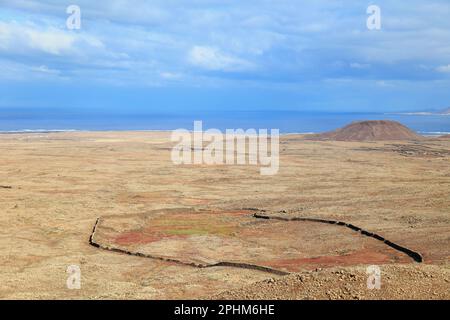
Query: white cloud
x: 138, y: 40
x: 356, y: 65
x: 45, y: 69
x: 50, y: 41
x: 443, y: 69
x: 170, y: 75
x: 383, y: 83
x: 23, y: 37
x: 211, y: 58
x: 20, y: 71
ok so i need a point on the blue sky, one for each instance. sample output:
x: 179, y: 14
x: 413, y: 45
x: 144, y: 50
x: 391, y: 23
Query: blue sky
x: 225, y: 55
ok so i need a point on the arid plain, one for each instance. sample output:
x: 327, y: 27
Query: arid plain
x: 54, y: 187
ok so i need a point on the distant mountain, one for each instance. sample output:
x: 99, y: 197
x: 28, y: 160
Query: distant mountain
x: 445, y: 111
x: 379, y: 130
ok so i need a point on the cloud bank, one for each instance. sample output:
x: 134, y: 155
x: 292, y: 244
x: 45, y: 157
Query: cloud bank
x: 217, y: 43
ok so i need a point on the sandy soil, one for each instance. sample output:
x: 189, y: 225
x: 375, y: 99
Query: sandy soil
x: 53, y: 187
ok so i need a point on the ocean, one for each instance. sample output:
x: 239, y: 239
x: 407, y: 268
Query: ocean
x: 31, y: 120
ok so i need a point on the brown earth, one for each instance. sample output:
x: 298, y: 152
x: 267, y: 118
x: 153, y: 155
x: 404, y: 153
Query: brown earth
x: 211, y: 237
x: 397, y: 282
x: 378, y: 130
x: 58, y: 184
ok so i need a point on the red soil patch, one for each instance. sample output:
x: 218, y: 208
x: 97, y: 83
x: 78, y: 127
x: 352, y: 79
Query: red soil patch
x: 210, y: 237
x: 364, y: 256
x: 159, y: 228
x: 135, y: 237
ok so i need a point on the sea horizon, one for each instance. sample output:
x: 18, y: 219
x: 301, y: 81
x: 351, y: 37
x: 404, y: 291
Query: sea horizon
x: 288, y: 122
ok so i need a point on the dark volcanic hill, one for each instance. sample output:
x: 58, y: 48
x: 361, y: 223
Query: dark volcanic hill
x: 378, y: 130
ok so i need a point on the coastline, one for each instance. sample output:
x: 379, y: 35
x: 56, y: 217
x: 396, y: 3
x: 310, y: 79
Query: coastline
x: 47, y: 131
x: 287, y: 123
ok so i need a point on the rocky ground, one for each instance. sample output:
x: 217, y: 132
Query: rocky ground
x: 54, y: 186
x: 397, y: 282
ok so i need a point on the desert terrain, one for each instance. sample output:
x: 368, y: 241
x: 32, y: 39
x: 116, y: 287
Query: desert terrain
x: 55, y: 187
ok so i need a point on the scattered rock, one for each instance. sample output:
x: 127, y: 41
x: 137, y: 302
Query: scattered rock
x: 333, y: 284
